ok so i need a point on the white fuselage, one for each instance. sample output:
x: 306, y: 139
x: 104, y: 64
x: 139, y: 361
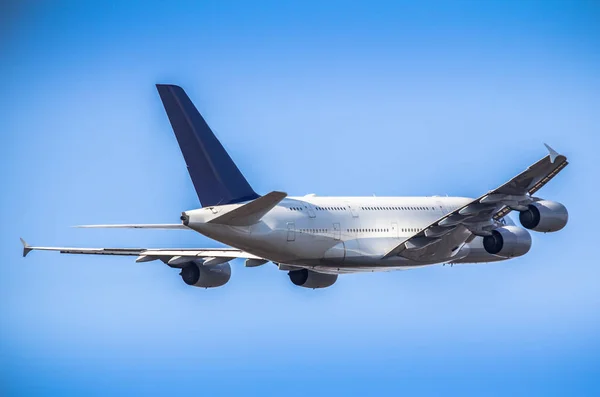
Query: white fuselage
x: 339, y: 234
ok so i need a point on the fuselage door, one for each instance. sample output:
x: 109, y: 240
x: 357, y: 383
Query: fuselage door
x: 441, y: 207
x: 309, y: 208
x: 291, y: 231
x: 337, y: 231
x: 395, y: 233
x: 353, y: 210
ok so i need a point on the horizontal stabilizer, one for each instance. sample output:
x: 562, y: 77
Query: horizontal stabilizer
x: 250, y: 213
x: 137, y: 226
x: 150, y: 254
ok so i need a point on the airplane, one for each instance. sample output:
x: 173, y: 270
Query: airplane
x: 316, y: 238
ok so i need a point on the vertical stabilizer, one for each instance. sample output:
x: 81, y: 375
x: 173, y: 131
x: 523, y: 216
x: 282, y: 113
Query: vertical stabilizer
x: 215, y: 176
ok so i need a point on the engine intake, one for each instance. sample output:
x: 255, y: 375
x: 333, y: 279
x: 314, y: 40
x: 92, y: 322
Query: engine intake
x: 198, y: 275
x: 310, y: 279
x: 544, y: 216
x: 508, y: 242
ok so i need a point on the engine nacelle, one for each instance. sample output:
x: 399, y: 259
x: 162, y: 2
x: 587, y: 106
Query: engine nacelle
x: 198, y: 275
x: 544, y: 216
x: 309, y: 279
x: 508, y: 242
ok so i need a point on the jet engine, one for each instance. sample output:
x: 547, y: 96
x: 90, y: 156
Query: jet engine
x: 544, y: 216
x: 198, y: 275
x: 508, y: 242
x: 309, y: 279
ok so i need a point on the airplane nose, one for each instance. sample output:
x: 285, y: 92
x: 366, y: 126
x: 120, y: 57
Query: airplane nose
x: 185, y: 218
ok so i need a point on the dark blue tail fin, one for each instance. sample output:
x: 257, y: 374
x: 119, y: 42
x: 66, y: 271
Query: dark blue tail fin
x: 215, y: 176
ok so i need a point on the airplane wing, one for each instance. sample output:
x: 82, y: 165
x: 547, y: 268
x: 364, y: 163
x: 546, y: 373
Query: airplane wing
x: 171, y: 256
x: 443, y: 238
x: 168, y: 226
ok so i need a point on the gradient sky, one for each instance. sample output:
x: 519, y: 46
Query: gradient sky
x: 347, y: 98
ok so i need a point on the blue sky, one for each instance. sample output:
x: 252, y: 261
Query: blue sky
x: 385, y: 98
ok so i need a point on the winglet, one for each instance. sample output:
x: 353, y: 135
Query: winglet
x: 26, y: 248
x: 553, y: 153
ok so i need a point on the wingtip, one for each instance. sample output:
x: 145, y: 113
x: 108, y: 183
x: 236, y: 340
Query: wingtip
x: 26, y: 248
x: 553, y: 153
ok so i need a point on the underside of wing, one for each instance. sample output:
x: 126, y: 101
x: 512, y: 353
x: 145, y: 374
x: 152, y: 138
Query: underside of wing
x: 443, y: 238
